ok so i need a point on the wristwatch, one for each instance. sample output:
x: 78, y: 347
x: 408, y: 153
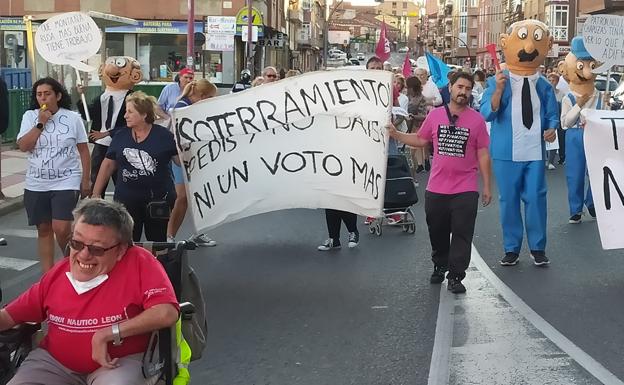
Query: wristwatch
x: 117, y: 340
x: 39, y: 126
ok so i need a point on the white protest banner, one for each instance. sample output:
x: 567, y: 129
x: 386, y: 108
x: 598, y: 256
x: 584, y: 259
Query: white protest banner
x: 69, y: 38
x: 316, y: 140
x: 604, y: 149
x: 603, y: 36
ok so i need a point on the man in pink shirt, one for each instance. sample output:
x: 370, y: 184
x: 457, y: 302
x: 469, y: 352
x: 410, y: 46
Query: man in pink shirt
x: 460, y: 145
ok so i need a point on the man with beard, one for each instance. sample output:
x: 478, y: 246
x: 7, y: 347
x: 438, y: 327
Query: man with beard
x: 460, y: 144
x: 522, y: 108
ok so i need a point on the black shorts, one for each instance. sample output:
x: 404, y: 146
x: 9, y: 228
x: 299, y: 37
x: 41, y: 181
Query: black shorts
x: 43, y: 206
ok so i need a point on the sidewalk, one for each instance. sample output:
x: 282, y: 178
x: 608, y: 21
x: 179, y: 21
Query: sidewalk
x: 14, y: 163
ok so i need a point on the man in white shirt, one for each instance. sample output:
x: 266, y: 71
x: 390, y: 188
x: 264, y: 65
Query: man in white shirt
x: 429, y: 89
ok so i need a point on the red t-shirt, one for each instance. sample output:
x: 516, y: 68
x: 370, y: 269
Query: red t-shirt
x: 455, y: 161
x: 137, y: 282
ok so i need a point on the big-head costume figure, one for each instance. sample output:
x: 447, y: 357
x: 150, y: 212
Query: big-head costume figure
x: 577, y: 70
x: 119, y: 74
x: 521, y: 105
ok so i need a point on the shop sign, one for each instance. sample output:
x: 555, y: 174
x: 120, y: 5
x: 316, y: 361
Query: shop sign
x: 221, y: 25
x: 224, y: 43
x: 275, y: 40
x: 256, y: 20
x: 564, y: 50
x: 157, y: 26
x: 12, y: 24
x: 554, y: 51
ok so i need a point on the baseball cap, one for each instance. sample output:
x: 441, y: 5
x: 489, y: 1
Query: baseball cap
x: 578, y: 49
x: 186, y: 71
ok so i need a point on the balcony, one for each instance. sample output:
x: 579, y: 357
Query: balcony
x: 295, y: 15
x: 559, y: 33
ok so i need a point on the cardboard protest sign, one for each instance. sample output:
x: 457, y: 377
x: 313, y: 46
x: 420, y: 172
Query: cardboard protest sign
x: 69, y: 38
x: 312, y: 141
x: 603, y: 36
x: 604, y: 149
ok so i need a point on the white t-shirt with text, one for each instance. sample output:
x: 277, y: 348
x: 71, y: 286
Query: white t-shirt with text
x: 54, y: 164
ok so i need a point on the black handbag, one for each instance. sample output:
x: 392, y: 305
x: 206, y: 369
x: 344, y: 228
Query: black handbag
x: 159, y: 208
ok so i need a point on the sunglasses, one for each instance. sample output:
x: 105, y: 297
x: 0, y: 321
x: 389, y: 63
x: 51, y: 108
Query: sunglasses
x: 271, y: 76
x: 96, y: 251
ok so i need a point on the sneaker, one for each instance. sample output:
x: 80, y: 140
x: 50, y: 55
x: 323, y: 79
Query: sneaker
x: 592, y: 211
x: 438, y: 274
x: 510, y: 259
x: 456, y: 286
x: 204, y: 240
x: 419, y: 169
x: 330, y: 244
x: 539, y: 258
x: 551, y: 166
x: 354, y: 239
x: 575, y: 219
x: 170, y: 239
x: 561, y: 161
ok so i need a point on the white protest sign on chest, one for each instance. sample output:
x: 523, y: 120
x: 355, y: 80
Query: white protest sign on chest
x: 69, y: 38
x: 312, y: 141
x: 603, y: 36
x: 604, y: 148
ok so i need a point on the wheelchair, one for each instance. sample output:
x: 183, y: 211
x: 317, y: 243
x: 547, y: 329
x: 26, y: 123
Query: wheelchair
x: 161, y: 356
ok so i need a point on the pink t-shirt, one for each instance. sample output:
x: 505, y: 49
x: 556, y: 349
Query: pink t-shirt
x: 455, y: 161
x: 137, y: 282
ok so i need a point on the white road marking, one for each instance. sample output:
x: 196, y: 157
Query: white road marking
x: 583, y: 359
x: 440, y: 357
x: 378, y: 307
x: 19, y: 233
x: 16, y: 263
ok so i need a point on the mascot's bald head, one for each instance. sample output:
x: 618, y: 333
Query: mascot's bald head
x: 525, y: 46
x: 120, y: 73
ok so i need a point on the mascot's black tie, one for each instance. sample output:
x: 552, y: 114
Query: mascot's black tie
x: 111, y: 107
x: 527, y: 106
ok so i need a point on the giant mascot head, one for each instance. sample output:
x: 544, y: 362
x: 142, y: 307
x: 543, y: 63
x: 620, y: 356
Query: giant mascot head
x: 577, y: 68
x: 525, y: 46
x: 120, y: 73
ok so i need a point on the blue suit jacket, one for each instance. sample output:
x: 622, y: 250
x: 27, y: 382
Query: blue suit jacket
x: 501, y: 132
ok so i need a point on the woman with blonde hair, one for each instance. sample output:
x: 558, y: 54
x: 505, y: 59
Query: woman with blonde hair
x: 194, y: 92
x: 140, y: 155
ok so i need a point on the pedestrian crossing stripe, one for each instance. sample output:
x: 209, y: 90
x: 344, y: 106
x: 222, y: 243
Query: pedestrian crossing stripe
x: 16, y: 263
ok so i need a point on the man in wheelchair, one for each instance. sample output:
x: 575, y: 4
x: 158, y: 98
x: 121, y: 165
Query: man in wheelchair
x: 101, y: 303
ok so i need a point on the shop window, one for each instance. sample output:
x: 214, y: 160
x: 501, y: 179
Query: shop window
x: 162, y: 50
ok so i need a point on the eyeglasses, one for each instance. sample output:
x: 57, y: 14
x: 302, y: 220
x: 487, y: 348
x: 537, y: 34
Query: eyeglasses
x: 96, y: 251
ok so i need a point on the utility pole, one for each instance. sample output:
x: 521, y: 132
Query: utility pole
x: 190, y: 39
x: 326, y: 30
x: 249, y: 36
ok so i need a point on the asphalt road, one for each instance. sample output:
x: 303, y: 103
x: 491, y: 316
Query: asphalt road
x: 281, y: 312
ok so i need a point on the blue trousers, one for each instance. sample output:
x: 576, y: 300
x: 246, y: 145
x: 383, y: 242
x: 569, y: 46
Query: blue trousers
x: 575, y: 170
x: 522, y: 182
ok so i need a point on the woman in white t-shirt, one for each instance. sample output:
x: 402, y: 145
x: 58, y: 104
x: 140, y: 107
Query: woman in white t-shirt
x: 58, y: 165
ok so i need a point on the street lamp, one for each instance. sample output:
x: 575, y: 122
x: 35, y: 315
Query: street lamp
x: 467, y: 48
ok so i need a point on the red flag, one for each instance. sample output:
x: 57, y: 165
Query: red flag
x: 383, y: 45
x: 407, y: 66
x: 491, y: 48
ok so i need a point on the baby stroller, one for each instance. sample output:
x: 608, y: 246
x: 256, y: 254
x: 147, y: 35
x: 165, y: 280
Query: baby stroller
x: 400, y: 195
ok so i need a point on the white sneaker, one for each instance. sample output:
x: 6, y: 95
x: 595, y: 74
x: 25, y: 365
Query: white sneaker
x: 354, y: 239
x: 329, y: 244
x: 204, y: 240
x: 551, y: 166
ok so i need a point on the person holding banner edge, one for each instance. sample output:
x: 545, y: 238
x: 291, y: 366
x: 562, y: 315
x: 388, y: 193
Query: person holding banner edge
x: 460, y: 142
x: 577, y: 67
x: 335, y: 217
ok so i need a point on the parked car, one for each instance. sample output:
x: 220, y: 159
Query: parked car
x: 360, y: 56
x: 601, y: 83
x: 354, y: 62
x: 403, y: 49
